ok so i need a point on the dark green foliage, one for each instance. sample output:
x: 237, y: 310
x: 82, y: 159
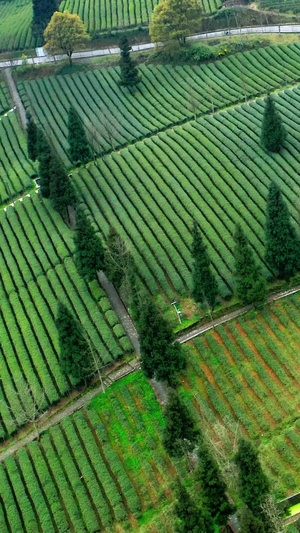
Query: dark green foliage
x: 89, y: 253
x: 44, y: 155
x: 161, y: 357
x: 273, y: 133
x: 191, y: 518
x: 249, y: 523
x: 62, y: 192
x: 42, y: 13
x: 180, y: 432
x: 282, y: 243
x: 129, y: 72
x: 32, y: 133
x: 74, y: 352
x: 251, y: 286
x: 117, y: 258
x: 254, y: 485
x: 213, y: 488
x: 79, y: 149
x: 205, y: 287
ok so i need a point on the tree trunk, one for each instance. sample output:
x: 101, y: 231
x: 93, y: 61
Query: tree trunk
x: 70, y: 59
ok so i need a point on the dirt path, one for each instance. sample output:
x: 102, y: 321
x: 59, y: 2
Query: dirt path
x: 15, y: 97
x: 120, y: 311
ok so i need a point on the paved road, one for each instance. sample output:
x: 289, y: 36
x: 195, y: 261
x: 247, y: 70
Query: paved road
x: 281, y: 28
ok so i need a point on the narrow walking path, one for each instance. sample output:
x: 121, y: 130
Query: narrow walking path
x: 16, y: 97
x: 120, y: 311
x: 44, y: 424
x: 278, y: 28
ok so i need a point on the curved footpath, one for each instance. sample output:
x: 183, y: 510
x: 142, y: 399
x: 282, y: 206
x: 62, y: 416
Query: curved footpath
x: 114, y: 375
x: 279, y: 28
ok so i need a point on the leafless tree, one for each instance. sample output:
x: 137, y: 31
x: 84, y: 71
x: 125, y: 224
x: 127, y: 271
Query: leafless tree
x: 92, y: 133
x: 94, y: 362
x: 109, y: 129
x: 210, y: 91
x: 273, y: 514
x: 31, y: 403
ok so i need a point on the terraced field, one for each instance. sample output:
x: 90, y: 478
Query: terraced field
x: 102, y: 469
x: 249, y: 370
x: 166, y: 95
x: 37, y: 269
x: 15, y: 25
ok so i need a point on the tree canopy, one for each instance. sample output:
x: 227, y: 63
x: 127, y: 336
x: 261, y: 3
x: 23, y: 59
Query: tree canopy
x: 42, y: 13
x: 64, y: 33
x: 273, y: 133
x: 282, y: 243
x: 205, y: 287
x: 191, y: 519
x: 74, y: 352
x: 161, y: 357
x: 89, y: 253
x: 251, y: 285
x: 175, y: 19
x: 79, y: 148
x: 180, y: 433
x: 44, y: 155
x: 129, y: 74
x: 62, y: 192
x: 32, y: 133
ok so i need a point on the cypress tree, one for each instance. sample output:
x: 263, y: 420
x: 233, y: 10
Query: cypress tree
x: 180, y: 432
x: 282, y: 243
x: 32, y: 134
x: 254, y: 486
x: 161, y: 357
x: 250, y: 523
x: 251, y: 286
x: 129, y: 72
x: 44, y: 155
x: 89, y: 253
x: 213, y: 488
x: 273, y: 133
x: 74, y: 351
x: 79, y: 149
x: 62, y: 192
x: 42, y: 13
x: 191, y: 518
x: 205, y: 287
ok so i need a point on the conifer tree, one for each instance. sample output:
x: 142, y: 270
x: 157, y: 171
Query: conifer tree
x: 205, y: 287
x: 74, y: 351
x: 273, y: 133
x: 254, y: 486
x: 250, y: 284
x: 62, y: 192
x: 79, y: 149
x: 89, y: 253
x: 42, y: 13
x: 191, y: 518
x: 282, y: 243
x: 44, y: 155
x: 250, y: 523
x: 213, y: 488
x: 180, y: 433
x: 32, y: 133
x: 129, y: 72
x: 161, y: 357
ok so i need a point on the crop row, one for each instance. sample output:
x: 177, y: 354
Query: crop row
x: 165, y: 96
x: 38, y: 269
x: 16, y: 170
x: 4, y: 98
x: 15, y: 25
x: 79, y: 477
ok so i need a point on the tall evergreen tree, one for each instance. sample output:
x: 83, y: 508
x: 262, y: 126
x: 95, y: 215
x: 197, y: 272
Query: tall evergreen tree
x: 213, y: 488
x: 250, y: 523
x: 180, y: 432
x: 205, y: 287
x: 191, y: 518
x: 74, y: 352
x: 254, y: 486
x: 42, y: 13
x: 129, y: 72
x: 282, y: 243
x: 161, y: 357
x: 62, y: 192
x: 44, y: 155
x: 251, y: 286
x: 89, y: 253
x: 273, y: 133
x: 32, y: 133
x: 79, y: 149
